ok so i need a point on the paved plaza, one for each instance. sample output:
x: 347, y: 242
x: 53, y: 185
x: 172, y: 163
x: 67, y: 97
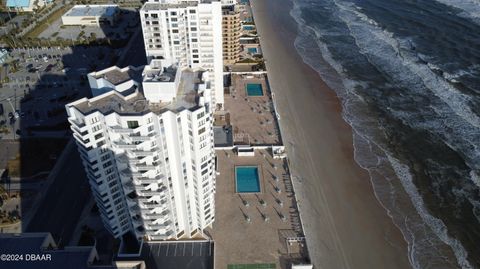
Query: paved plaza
x: 252, y: 117
x: 252, y: 228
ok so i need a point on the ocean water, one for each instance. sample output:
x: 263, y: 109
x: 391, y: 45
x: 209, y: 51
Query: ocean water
x: 408, y: 75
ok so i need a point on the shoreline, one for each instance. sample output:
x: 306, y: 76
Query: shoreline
x: 344, y: 223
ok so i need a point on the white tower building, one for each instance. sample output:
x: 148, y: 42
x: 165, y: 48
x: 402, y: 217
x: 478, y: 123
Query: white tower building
x: 149, y: 157
x: 187, y: 33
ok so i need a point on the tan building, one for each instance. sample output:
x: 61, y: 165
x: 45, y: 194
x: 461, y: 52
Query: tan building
x: 231, y: 35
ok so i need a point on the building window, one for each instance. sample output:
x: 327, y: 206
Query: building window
x: 132, y: 124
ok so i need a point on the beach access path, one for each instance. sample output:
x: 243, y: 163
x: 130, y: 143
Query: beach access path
x: 345, y: 225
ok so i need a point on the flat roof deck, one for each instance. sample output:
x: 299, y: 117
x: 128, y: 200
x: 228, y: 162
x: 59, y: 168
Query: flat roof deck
x: 240, y: 242
x: 91, y: 10
x: 117, y: 76
x: 136, y: 103
x: 173, y: 255
x: 253, y: 117
x: 159, y: 6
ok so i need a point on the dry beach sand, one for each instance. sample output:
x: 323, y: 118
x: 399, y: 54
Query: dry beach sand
x: 345, y: 225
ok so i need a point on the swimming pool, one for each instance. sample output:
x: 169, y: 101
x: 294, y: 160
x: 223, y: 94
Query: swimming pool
x: 254, y: 89
x: 248, y: 27
x: 252, y: 50
x: 247, y: 179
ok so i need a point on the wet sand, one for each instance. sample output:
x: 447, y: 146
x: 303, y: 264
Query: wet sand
x: 345, y: 225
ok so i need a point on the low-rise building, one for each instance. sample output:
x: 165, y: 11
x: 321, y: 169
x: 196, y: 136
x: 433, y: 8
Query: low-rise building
x: 91, y: 15
x: 22, y: 250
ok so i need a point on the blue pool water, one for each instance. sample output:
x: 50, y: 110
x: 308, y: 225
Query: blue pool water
x: 252, y: 50
x: 247, y: 179
x: 254, y: 89
x: 248, y: 27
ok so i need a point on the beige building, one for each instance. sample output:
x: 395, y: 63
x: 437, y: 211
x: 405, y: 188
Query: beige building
x: 91, y: 15
x: 231, y: 35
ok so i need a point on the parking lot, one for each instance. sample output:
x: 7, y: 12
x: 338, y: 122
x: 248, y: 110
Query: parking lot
x: 45, y: 79
x: 175, y: 254
x: 126, y: 24
x: 181, y: 249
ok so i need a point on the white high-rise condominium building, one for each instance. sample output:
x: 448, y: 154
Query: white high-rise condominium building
x: 187, y: 33
x: 149, y: 154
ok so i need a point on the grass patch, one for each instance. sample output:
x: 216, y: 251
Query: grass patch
x: 43, y: 25
x: 14, y: 166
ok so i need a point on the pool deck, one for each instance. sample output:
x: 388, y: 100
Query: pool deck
x: 252, y: 117
x: 240, y: 242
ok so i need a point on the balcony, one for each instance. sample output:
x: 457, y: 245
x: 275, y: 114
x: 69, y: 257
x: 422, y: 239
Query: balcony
x: 149, y: 180
x: 143, y: 153
x: 146, y: 166
x: 132, y: 199
x: 128, y: 173
x: 83, y: 142
x: 148, y: 192
x: 140, y: 138
x: 78, y: 124
x: 119, y: 129
x: 123, y: 145
x: 135, y: 209
x: 129, y: 187
x: 154, y: 227
x: 137, y: 222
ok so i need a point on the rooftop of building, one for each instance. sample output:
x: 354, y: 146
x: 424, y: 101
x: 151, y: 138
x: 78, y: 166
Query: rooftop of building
x: 166, y: 74
x: 42, y: 243
x: 187, y: 97
x: 229, y: 10
x: 116, y: 75
x: 172, y: 255
x: 92, y: 10
x: 148, y: 6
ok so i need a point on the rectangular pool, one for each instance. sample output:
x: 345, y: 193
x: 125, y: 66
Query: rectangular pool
x: 254, y: 89
x: 247, y: 179
x: 248, y: 27
x: 252, y: 50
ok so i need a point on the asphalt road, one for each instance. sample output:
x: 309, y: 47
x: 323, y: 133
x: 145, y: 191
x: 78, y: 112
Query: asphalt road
x: 60, y: 210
